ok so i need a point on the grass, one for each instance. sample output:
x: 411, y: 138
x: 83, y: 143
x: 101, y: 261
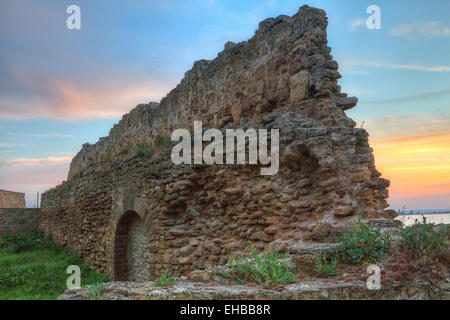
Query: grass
x: 165, y: 281
x: 326, y: 267
x: 270, y: 269
x: 33, y: 267
x: 95, y: 289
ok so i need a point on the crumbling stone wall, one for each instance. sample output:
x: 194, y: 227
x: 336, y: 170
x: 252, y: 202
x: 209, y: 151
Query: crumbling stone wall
x: 14, y: 220
x: 10, y: 199
x: 197, y: 215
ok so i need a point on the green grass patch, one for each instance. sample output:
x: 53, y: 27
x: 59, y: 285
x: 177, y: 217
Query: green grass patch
x: 269, y: 269
x: 33, y: 267
x: 165, y: 281
x: 326, y: 266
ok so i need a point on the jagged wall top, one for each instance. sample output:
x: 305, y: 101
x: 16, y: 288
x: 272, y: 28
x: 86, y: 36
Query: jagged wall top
x: 285, y: 66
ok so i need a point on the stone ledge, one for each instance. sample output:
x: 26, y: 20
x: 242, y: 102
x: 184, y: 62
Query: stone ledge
x: 314, y: 290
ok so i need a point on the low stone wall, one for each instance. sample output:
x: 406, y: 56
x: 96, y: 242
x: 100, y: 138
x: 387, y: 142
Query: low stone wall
x: 10, y: 199
x: 13, y: 220
x: 317, y: 290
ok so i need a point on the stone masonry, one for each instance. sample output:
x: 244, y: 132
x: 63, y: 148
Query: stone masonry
x: 134, y: 215
x: 14, y: 220
x: 10, y: 199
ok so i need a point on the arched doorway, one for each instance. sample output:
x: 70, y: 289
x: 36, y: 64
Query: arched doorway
x: 131, y: 251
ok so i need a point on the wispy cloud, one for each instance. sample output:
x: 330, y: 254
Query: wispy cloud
x: 349, y: 64
x: 7, y: 145
x: 412, y: 98
x: 407, y: 126
x: 356, y: 24
x: 31, y: 175
x: 428, y: 29
x: 59, y: 99
x: 35, y: 162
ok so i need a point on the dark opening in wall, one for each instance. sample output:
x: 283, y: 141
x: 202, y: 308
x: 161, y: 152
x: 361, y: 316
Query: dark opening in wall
x: 131, y: 250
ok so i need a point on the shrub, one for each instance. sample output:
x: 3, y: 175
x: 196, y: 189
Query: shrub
x: 424, y: 238
x: 95, y: 289
x: 271, y: 268
x: 123, y: 152
x: 324, y: 267
x: 364, y: 244
x: 165, y: 280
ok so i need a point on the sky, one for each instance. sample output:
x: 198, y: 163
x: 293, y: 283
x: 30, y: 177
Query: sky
x: 60, y: 88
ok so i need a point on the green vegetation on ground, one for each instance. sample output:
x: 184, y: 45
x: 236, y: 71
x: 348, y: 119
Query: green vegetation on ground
x: 364, y: 244
x: 326, y: 266
x: 271, y: 268
x: 33, y: 267
x: 425, y: 238
x: 165, y: 280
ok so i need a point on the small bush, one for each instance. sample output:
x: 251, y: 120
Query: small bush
x: 95, y: 289
x: 267, y: 270
x: 123, y: 152
x: 324, y: 267
x: 165, y: 280
x: 424, y: 238
x: 364, y: 244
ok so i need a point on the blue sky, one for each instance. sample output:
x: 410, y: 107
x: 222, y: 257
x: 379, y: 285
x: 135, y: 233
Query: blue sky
x: 60, y: 88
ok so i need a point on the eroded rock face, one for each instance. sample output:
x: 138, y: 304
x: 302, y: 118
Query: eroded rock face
x: 283, y: 77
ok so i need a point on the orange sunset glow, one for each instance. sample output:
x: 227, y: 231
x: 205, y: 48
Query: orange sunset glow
x: 416, y: 166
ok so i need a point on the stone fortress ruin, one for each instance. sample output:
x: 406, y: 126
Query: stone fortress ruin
x: 132, y: 214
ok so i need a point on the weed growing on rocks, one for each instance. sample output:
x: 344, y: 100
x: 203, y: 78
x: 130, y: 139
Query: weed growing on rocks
x: 364, y: 244
x: 324, y: 266
x: 425, y: 239
x: 165, y: 280
x: 270, y: 269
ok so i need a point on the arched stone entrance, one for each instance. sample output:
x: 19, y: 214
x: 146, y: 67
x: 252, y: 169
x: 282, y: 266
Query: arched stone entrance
x: 131, y: 251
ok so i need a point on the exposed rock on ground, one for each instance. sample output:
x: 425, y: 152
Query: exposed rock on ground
x: 320, y: 290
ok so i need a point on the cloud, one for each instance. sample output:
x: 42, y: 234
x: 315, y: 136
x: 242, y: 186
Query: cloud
x: 348, y: 64
x: 35, y: 162
x: 357, y: 24
x: 413, y: 152
x: 65, y: 100
x: 7, y: 145
x: 428, y: 29
x: 406, y: 126
x: 412, y: 98
x: 33, y: 175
